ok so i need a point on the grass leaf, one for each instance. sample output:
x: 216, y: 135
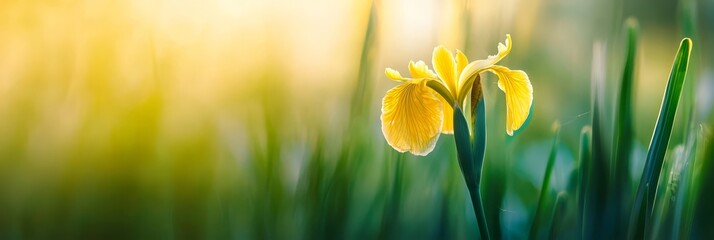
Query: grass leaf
x: 597, y: 168
x: 703, y: 185
x: 538, y: 218
x: 624, y: 136
x: 584, y: 161
x: 660, y: 140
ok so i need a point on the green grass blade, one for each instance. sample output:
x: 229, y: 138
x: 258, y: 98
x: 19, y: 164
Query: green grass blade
x: 312, y: 182
x: 665, y: 200
x: 390, y: 216
x: 624, y: 136
x: 351, y: 156
x: 538, y: 218
x: 558, y: 217
x: 687, y: 119
x: 583, y: 170
x: 598, y: 169
x: 363, y: 91
x: 660, y: 140
x: 684, y: 211
x: 704, y: 183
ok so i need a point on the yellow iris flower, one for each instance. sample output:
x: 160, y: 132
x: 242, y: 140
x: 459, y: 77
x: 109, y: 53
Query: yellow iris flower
x: 415, y: 112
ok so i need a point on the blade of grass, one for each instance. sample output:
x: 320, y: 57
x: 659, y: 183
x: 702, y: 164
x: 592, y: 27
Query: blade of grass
x: 583, y: 171
x: 624, y: 136
x: 685, y: 210
x: 538, y: 218
x: 687, y: 118
x: 313, y: 193
x: 558, y: 215
x: 668, y: 187
x: 390, y: 215
x: 598, y: 170
x: 660, y: 140
x: 704, y: 183
x: 351, y: 157
x: 363, y: 91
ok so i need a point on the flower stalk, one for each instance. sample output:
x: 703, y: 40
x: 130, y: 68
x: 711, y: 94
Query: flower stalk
x: 470, y: 148
x: 478, y: 115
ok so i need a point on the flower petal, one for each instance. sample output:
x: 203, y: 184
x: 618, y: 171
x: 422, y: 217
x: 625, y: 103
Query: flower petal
x: 503, y: 50
x: 461, y: 61
x: 519, y: 96
x: 412, y: 115
x: 394, y: 75
x: 420, y: 70
x: 478, y: 66
x: 448, y: 126
x: 445, y: 67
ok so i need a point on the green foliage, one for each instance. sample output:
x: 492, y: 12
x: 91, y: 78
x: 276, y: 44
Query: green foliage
x: 703, y: 196
x: 470, y: 165
x: 545, y: 192
x: 583, y: 172
x: 644, y: 200
x: 624, y: 137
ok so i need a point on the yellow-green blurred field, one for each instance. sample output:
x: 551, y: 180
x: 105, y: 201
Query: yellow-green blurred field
x: 248, y: 119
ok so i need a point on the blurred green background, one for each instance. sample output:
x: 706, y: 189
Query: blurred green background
x: 260, y: 119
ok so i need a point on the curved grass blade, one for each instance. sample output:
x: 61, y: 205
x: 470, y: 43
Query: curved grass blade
x: 598, y: 168
x: 583, y: 173
x: 390, y: 216
x: 687, y: 119
x: 667, y: 187
x: 644, y: 200
x: 624, y: 136
x: 684, y: 211
x: 538, y: 218
x: 703, y: 184
x: 363, y: 91
x: 558, y: 216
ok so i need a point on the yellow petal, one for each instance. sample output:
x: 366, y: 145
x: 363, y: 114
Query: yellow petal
x: 394, y: 75
x: 448, y: 126
x: 519, y: 96
x: 420, y: 70
x: 461, y: 61
x: 412, y: 115
x: 445, y: 67
x: 480, y: 65
x: 503, y: 50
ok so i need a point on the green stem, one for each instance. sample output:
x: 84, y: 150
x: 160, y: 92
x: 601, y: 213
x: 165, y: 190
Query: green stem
x: 475, y: 193
x: 470, y: 167
x: 478, y: 116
